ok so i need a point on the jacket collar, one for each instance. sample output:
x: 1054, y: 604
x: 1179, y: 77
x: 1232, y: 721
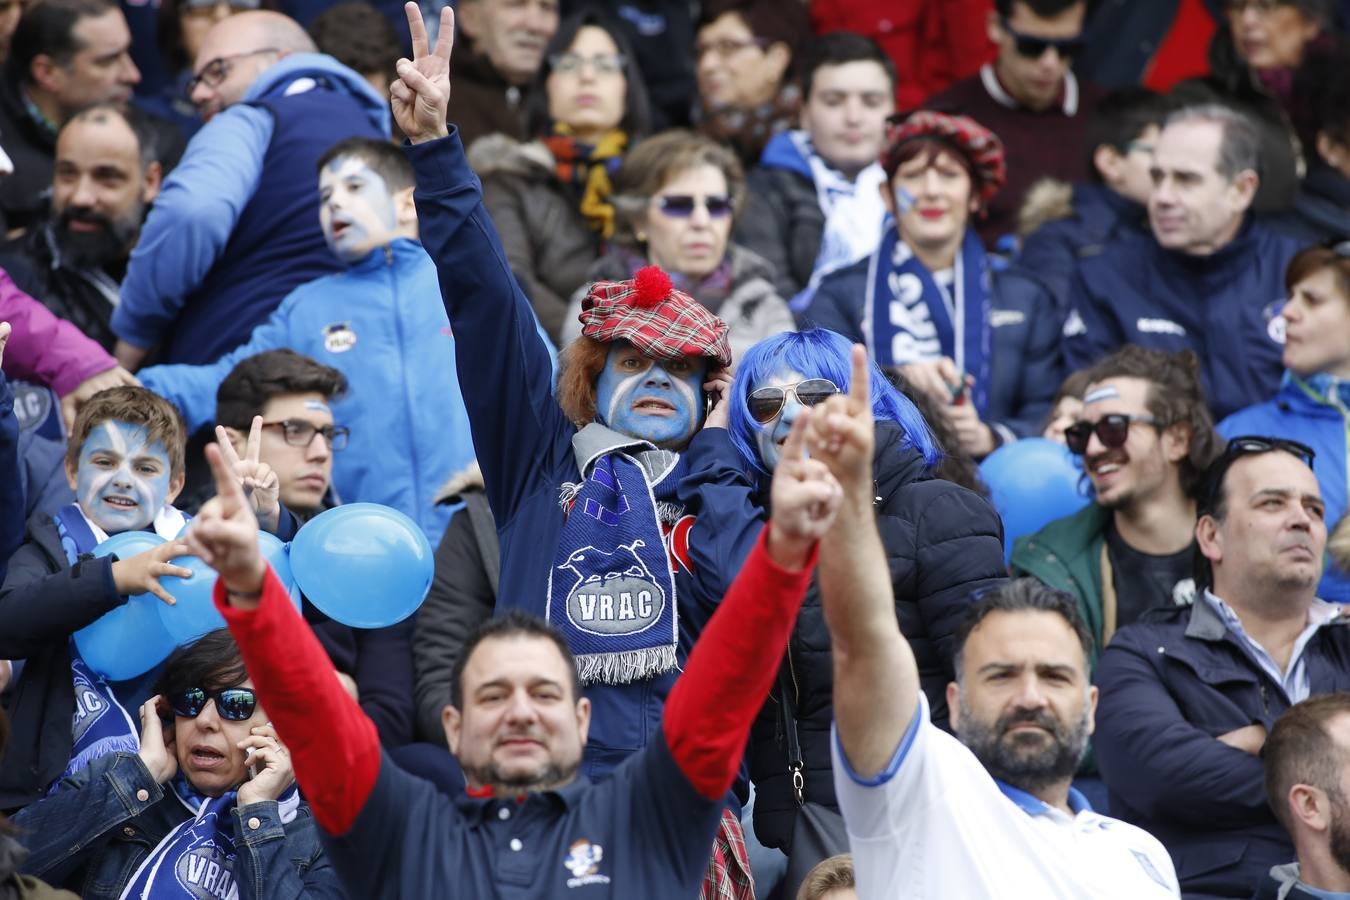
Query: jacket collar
x: 1068, y: 95
x: 1206, y: 624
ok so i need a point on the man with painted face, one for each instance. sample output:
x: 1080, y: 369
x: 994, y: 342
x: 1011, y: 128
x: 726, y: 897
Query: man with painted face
x: 599, y: 491
x: 124, y: 461
x: 235, y: 228
x: 208, y: 800
x: 378, y: 323
x: 1145, y: 437
x: 107, y: 174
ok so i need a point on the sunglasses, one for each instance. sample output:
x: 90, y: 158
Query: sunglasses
x: 1033, y: 47
x: 1250, y: 444
x: 1112, y: 430
x: 767, y: 402
x: 681, y: 206
x: 232, y: 704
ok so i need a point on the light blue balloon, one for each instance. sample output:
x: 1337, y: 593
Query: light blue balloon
x: 130, y: 640
x: 362, y: 564
x: 1032, y: 482
x: 195, y: 612
x: 278, y: 556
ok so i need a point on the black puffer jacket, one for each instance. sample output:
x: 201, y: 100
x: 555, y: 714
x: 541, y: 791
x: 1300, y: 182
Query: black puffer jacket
x: 782, y: 222
x: 942, y: 543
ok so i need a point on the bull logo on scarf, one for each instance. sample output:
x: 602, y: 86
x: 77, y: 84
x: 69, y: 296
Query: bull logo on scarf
x: 613, y: 592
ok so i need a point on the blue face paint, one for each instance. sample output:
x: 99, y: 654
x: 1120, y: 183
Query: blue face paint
x: 122, y: 480
x: 656, y: 400
x: 356, y: 209
x: 769, y: 437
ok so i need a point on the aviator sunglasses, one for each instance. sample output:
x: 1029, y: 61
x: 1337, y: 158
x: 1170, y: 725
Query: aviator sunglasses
x: 767, y: 402
x: 1112, y: 430
x: 681, y: 206
x: 232, y: 704
x: 1033, y: 47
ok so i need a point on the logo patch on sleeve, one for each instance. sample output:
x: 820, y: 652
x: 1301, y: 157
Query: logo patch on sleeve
x: 339, y: 337
x: 583, y: 861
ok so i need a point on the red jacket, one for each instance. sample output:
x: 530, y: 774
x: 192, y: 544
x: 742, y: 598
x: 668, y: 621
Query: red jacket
x: 934, y: 43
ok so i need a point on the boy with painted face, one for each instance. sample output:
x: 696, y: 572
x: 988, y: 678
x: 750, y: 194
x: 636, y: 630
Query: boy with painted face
x: 380, y: 325
x: 125, y: 463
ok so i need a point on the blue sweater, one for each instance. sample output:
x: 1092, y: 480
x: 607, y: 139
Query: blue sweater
x: 382, y: 325
x: 524, y: 445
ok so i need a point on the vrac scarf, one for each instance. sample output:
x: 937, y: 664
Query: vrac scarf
x: 100, y: 723
x: 611, y: 588
x: 196, y: 859
x: 909, y: 317
x: 587, y: 169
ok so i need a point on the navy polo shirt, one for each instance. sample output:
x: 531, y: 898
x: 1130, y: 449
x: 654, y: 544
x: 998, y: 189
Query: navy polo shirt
x: 642, y: 832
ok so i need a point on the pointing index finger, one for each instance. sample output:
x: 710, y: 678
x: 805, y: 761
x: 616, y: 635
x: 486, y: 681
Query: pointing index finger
x: 794, y: 446
x: 860, y: 387
x: 227, y: 486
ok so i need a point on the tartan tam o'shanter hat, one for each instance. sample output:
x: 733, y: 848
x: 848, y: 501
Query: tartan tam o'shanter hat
x: 966, y: 136
x: 655, y: 318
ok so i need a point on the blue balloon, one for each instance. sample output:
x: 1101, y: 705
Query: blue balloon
x: 130, y: 640
x: 363, y: 564
x: 1032, y: 482
x: 278, y: 556
x: 195, y: 612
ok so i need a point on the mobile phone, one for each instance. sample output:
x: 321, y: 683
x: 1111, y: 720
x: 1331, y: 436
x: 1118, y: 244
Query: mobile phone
x: 709, y: 401
x: 252, y: 769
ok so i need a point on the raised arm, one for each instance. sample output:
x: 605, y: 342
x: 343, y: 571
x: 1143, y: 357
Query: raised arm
x: 876, y: 681
x: 708, y: 714
x: 335, y: 749
x: 504, y: 367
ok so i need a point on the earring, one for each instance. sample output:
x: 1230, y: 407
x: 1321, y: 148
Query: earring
x: 641, y: 236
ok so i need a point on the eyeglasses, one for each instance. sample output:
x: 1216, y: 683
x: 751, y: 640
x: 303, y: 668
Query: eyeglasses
x: 767, y: 402
x: 298, y: 433
x: 232, y: 704
x: 198, y: 5
x: 1139, y: 147
x: 681, y: 206
x: 218, y: 69
x: 1033, y: 47
x: 726, y: 47
x: 1112, y: 430
x: 573, y: 63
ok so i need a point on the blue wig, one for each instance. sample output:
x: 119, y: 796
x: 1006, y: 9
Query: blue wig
x: 818, y: 353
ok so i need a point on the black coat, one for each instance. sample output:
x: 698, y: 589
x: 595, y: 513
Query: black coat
x: 43, y: 602
x: 782, y: 222
x: 942, y: 543
x: 84, y: 296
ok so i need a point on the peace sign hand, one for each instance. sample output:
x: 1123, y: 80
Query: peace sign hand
x: 261, y: 485
x: 841, y: 432
x: 421, y: 93
x: 805, y: 498
x: 225, y: 535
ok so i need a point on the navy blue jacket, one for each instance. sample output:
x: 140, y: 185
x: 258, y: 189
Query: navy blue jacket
x: 95, y: 831
x: 12, y: 483
x: 1027, y: 367
x: 1222, y: 306
x: 1170, y: 684
x: 1100, y: 216
x: 524, y: 444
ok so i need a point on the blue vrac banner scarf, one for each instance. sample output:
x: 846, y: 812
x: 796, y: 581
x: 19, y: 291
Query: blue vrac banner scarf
x: 196, y: 859
x: 611, y: 588
x: 908, y: 317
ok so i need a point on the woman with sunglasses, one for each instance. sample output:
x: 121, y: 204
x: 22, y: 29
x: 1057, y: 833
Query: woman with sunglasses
x: 942, y: 542
x: 206, y: 808
x: 551, y: 197
x: 982, y: 340
x: 1313, y: 402
x: 677, y: 197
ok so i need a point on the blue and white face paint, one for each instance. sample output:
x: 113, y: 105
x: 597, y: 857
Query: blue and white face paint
x: 769, y: 437
x: 656, y: 400
x: 356, y: 209
x: 123, y: 478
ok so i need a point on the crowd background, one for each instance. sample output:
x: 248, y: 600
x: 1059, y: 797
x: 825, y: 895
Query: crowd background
x: 1122, y: 227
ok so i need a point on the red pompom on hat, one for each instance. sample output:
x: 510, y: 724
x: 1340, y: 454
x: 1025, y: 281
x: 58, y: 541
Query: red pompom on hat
x: 650, y: 314
x: 651, y: 285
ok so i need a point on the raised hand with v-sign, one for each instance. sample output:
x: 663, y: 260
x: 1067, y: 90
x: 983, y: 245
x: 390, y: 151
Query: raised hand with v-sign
x: 421, y: 93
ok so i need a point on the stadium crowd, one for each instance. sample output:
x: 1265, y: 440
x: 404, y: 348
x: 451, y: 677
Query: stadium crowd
x: 683, y: 331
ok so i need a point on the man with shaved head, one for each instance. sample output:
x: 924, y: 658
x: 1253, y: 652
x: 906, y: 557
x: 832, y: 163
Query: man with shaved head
x: 236, y: 227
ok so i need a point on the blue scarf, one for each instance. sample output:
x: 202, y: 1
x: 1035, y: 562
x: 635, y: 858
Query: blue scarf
x: 611, y: 588
x: 909, y: 317
x: 100, y: 724
x: 195, y: 861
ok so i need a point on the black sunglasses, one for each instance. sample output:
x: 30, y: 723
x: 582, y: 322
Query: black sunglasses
x: 1112, y: 430
x: 1247, y: 445
x: 767, y: 402
x: 681, y: 206
x: 1033, y: 47
x: 232, y: 704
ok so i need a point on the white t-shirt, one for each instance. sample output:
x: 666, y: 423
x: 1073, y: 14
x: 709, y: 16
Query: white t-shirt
x: 935, y: 824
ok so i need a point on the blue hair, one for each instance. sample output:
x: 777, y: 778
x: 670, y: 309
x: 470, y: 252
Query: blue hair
x: 819, y: 353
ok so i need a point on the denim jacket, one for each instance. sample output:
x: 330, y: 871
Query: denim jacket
x: 93, y: 833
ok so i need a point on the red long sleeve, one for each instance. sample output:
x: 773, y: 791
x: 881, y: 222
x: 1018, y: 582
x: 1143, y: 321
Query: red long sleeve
x: 334, y: 747
x: 709, y: 712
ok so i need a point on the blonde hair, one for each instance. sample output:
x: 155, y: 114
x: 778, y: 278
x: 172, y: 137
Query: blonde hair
x: 827, y: 875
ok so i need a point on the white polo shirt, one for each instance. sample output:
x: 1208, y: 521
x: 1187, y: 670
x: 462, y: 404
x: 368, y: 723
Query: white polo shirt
x: 935, y: 824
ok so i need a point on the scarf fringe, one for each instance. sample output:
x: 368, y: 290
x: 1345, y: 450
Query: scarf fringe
x: 625, y: 666
x: 568, y: 493
x: 115, y: 744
